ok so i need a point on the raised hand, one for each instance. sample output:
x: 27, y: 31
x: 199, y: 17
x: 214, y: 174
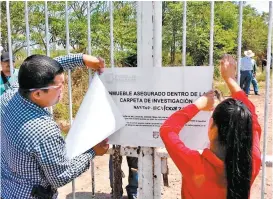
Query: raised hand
x: 228, y: 67
x: 228, y: 72
x: 94, y: 63
x: 206, y: 102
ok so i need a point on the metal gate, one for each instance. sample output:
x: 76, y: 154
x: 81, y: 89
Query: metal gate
x: 149, y: 45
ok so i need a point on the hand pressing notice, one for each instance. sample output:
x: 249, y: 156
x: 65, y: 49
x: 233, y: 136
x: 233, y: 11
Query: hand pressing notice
x: 101, y: 148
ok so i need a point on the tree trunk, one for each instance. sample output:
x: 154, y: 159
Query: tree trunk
x: 117, y: 172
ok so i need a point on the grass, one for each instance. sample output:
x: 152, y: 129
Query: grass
x: 79, y: 88
x: 261, y: 76
x: 220, y: 85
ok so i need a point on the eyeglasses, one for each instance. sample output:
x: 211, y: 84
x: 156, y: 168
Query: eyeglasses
x: 45, y: 88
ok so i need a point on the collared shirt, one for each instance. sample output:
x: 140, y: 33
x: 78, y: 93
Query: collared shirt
x: 204, y: 174
x: 11, y: 81
x: 33, y: 151
x: 247, y: 64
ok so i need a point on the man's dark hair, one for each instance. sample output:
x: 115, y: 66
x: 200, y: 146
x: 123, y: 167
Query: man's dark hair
x: 37, y: 71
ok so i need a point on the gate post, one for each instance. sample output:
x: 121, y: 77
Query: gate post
x: 149, y: 29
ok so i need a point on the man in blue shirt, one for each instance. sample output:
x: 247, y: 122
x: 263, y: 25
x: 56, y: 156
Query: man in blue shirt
x: 246, y: 70
x: 6, y: 80
x: 33, y: 152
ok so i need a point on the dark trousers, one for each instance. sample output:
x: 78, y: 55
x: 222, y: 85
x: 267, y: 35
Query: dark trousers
x: 245, y: 80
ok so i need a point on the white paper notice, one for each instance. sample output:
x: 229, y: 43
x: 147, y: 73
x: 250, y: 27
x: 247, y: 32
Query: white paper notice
x: 97, y: 118
x: 148, y: 96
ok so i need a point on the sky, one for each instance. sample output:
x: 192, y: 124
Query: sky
x: 261, y: 6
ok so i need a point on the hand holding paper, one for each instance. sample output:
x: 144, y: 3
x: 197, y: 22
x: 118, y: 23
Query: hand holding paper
x: 205, y: 102
x: 101, y: 148
x: 95, y: 63
x: 97, y: 118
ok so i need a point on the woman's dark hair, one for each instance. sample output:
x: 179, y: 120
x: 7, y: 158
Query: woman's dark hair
x: 37, y: 71
x: 234, y: 122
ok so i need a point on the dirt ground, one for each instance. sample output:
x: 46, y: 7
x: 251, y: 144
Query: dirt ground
x: 102, y: 186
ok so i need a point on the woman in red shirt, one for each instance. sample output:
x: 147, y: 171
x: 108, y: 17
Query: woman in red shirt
x: 227, y: 169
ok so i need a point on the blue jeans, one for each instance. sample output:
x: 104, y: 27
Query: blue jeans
x: 245, y: 80
x: 132, y: 186
x: 255, y: 84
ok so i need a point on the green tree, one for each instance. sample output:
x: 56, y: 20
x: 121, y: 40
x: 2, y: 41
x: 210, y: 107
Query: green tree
x: 125, y: 37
